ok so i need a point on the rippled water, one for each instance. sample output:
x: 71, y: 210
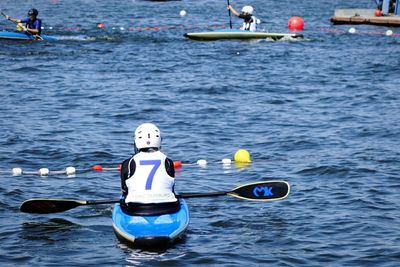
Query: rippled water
x: 322, y: 114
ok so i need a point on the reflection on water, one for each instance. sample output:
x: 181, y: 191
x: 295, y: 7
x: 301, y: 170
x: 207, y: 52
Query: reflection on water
x: 135, y: 257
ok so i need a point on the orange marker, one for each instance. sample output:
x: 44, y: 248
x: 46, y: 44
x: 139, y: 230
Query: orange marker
x: 97, y: 168
x: 177, y: 164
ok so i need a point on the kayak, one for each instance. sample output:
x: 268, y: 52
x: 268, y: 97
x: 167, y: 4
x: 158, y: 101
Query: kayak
x: 151, y: 231
x: 24, y: 36
x: 238, y: 34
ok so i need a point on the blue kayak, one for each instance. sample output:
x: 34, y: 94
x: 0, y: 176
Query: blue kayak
x: 151, y: 231
x: 24, y: 36
x: 239, y: 34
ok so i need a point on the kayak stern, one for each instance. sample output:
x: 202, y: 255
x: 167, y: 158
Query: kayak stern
x: 151, y: 231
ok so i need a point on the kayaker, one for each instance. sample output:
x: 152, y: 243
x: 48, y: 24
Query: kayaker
x: 250, y: 22
x: 33, y: 25
x: 148, y: 177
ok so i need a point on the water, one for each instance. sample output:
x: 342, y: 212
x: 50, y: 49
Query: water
x: 322, y: 114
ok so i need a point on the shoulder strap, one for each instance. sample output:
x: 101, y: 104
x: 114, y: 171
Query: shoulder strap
x: 131, y: 167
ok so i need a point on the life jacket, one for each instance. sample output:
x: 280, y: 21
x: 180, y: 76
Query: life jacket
x: 250, y: 25
x: 150, y: 183
x: 33, y: 24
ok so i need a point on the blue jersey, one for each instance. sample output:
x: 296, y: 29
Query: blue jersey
x: 33, y: 24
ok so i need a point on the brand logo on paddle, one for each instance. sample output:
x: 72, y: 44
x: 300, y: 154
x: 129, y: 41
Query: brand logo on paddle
x: 263, y: 191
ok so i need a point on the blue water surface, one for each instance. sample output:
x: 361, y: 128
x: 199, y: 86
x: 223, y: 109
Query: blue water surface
x: 321, y: 113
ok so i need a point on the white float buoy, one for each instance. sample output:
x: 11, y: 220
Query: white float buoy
x: 226, y: 161
x: 70, y: 170
x: 16, y: 171
x: 202, y: 162
x: 182, y: 13
x: 352, y: 30
x: 389, y: 32
x: 44, y: 172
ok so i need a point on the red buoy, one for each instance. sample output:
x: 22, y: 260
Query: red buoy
x: 97, y: 168
x: 296, y: 23
x: 378, y: 12
x: 101, y: 26
x: 177, y: 164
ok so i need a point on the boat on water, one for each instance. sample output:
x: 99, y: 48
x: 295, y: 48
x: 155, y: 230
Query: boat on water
x: 157, y: 226
x: 239, y: 34
x: 387, y: 13
x: 5, y: 35
x: 151, y: 231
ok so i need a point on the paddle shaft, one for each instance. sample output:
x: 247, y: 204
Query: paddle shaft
x: 16, y: 23
x: 230, y: 16
x: 98, y: 202
x: 195, y: 195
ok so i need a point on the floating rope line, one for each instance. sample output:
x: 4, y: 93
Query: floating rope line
x: 69, y: 171
x: 241, y: 159
x: 353, y: 30
x: 72, y: 171
x: 101, y: 26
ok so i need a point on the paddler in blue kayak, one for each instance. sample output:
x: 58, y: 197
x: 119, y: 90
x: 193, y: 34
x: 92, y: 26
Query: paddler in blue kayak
x: 250, y: 22
x: 33, y: 25
x: 147, y: 178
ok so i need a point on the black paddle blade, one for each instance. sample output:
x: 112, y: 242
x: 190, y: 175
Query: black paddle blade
x: 45, y: 206
x: 262, y: 191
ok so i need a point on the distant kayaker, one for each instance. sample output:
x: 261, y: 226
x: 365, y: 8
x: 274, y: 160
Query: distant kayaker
x: 147, y: 178
x: 250, y: 22
x: 33, y: 25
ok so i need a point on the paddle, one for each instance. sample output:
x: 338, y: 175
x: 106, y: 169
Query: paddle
x: 259, y: 191
x: 230, y: 17
x: 38, y: 37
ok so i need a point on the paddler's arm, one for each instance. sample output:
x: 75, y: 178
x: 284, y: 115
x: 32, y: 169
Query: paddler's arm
x: 17, y: 21
x: 33, y: 31
x: 233, y: 11
x: 169, y: 166
x: 13, y: 20
x: 125, y: 171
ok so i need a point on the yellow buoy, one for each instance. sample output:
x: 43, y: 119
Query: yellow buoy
x: 242, y: 155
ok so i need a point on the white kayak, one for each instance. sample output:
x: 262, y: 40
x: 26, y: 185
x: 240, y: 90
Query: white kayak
x: 239, y: 34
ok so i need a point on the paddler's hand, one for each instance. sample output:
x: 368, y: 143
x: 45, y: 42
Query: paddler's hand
x: 25, y: 29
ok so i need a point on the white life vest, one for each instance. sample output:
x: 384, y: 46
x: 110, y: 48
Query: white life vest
x: 252, y: 26
x: 150, y: 183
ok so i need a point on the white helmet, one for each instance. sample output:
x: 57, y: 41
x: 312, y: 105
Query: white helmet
x: 247, y: 9
x: 147, y: 135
